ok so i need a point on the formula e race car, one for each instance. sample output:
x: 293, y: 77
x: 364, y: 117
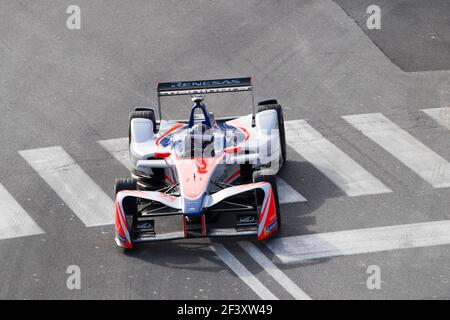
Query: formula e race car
x: 203, y: 176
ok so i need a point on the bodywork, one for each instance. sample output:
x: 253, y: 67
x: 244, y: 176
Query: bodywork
x: 201, y: 191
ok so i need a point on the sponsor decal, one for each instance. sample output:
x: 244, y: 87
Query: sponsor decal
x: 121, y: 238
x: 204, y: 83
x: 270, y: 227
x: 145, y: 225
x: 247, y: 219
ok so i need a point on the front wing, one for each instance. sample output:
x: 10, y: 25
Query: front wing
x: 172, y: 223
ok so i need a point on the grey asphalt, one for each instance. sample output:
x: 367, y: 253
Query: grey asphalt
x: 414, y: 35
x: 71, y: 88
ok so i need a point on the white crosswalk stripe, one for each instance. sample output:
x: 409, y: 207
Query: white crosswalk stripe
x: 243, y: 272
x: 411, y: 152
x: 347, y: 174
x: 94, y: 208
x: 287, y: 194
x: 118, y: 148
x: 440, y: 115
x: 275, y: 272
x: 14, y: 220
x: 83, y: 196
x: 358, y: 241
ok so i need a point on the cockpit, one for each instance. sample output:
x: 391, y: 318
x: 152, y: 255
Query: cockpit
x: 198, y: 142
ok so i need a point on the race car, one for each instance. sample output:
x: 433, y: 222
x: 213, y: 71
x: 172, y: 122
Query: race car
x: 202, y: 176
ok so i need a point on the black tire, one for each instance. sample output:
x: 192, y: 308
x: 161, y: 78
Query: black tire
x: 267, y: 176
x: 273, y: 105
x: 266, y: 102
x: 143, y: 114
x: 143, y: 109
x: 125, y: 184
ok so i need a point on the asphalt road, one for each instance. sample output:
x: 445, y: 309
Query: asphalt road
x: 414, y: 33
x: 73, y: 88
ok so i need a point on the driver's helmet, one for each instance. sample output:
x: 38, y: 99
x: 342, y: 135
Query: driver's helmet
x: 201, y: 136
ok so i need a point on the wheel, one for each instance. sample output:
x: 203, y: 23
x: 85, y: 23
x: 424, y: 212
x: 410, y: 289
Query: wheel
x: 130, y: 206
x: 145, y: 113
x: 142, y: 113
x: 267, y: 176
x: 266, y: 102
x: 125, y: 184
x: 273, y: 105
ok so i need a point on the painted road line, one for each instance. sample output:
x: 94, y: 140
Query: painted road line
x: 346, y: 173
x: 358, y: 241
x: 440, y: 115
x: 86, y: 199
x: 274, y: 271
x: 118, y: 148
x: 14, y: 220
x: 287, y: 194
x: 243, y: 273
x: 411, y: 152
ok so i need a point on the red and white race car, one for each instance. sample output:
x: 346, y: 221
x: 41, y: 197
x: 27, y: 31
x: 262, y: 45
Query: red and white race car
x: 201, y: 177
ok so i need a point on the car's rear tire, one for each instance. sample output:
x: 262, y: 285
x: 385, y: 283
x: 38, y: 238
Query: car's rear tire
x: 145, y: 113
x: 267, y: 176
x: 273, y: 105
x: 141, y: 113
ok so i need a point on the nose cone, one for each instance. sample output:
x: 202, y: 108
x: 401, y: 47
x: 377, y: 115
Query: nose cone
x: 194, y: 176
x: 193, y: 207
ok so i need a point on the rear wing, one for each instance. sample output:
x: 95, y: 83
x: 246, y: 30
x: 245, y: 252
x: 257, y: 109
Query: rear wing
x: 166, y: 89
x: 204, y: 86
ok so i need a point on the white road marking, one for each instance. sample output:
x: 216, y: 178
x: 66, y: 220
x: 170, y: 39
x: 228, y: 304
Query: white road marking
x: 118, y: 148
x: 242, y: 272
x: 440, y: 115
x: 86, y: 199
x: 14, y: 220
x: 358, y: 241
x: 274, y: 271
x: 346, y: 173
x: 287, y: 194
x: 411, y: 152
